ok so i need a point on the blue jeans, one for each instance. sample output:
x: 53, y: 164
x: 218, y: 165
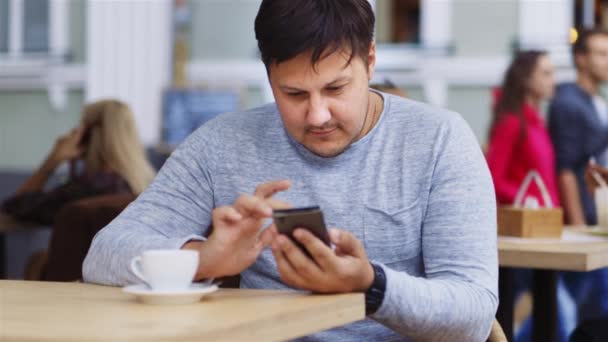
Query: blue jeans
x: 590, y: 292
x: 580, y: 296
x: 566, y: 318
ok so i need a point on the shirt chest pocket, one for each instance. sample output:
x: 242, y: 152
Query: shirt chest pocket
x: 392, y: 234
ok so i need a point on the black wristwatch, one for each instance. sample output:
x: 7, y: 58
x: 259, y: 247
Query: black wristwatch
x: 375, y: 294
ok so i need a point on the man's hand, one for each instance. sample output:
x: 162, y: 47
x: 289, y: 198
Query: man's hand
x: 592, y: 182
x: 571, y: 201
x: 236, y: 241
x: 345, y: 270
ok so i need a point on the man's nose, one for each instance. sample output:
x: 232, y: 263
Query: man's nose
x: 318, y: 112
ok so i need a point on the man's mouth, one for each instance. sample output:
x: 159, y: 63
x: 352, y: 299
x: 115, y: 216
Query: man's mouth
x: 322, y: 132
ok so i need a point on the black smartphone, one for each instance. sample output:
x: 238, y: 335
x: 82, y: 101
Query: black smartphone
x: 309, y: 218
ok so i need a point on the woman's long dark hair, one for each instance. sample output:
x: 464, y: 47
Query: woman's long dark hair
x: 515, y: 88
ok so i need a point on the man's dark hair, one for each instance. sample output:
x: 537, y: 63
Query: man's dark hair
x: 287, y: 28
x: 581, y: 45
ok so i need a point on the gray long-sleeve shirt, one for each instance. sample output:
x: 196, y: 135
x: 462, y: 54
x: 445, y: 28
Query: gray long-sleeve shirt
x: 415, y: 190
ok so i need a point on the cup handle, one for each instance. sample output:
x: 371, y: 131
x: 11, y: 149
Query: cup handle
x: 136, y: 268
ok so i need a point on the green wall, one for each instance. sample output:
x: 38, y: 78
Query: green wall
x: 481, y: 28
x: 484, y: 27
x: 474, y: 104
x: 223, y: 29
x: 29, y: 127
x: 28, y: 123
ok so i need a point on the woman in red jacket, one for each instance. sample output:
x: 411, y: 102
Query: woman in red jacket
x: 519, y: 140
x: 519, y: 143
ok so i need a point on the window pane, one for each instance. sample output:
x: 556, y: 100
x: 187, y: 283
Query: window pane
x: 36, y: 26
x: 4, y: 25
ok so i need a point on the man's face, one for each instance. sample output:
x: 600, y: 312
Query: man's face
x: 324, y: 108
x: 595, y: 61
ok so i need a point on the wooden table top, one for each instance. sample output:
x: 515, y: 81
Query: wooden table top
x: 576, y: 251
x: 75, y: 311
x: 39, y: 311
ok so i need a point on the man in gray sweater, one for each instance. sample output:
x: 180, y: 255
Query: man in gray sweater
x: 405, y: 183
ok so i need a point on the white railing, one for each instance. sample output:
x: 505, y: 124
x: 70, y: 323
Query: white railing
x: 58, y: 28
x: 435, y: 72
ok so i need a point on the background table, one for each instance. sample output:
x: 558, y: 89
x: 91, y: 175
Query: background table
x: 576, y: 251
x: 75, y: 311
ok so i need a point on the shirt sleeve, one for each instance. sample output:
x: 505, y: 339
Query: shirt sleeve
x: 174, y: 209
x: 500, y: 156
x: 458, y: 297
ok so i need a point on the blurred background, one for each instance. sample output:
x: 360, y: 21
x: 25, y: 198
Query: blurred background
x: 178, y: 63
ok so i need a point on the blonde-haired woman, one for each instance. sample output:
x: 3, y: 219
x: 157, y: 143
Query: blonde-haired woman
x: 105, y: 157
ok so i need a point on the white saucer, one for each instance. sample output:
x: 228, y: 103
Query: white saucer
x: 190, y: 295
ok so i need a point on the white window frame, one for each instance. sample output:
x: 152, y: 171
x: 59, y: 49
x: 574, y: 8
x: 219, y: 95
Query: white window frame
x: 15, y: 28
x: 35, y: 71
x: 58, y: 28
x: 58, y: 38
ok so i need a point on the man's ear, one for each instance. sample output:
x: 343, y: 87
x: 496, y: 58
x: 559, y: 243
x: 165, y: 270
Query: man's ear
x: 371, y: 60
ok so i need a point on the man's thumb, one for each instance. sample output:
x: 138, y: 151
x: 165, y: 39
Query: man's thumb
x: 346, y: 243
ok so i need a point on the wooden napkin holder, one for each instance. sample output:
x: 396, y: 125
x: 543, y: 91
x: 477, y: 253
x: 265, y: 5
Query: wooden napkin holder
x: 530, y: 223
x: 526, y: 218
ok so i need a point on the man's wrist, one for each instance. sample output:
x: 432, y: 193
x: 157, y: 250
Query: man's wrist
x: 374, y: 296
x: 368, y: 277
x: 204, y: 270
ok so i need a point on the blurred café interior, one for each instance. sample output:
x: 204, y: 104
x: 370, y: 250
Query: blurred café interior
x: 179, y: 63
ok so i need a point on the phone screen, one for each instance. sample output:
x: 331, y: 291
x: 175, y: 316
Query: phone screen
x: 309, y: 218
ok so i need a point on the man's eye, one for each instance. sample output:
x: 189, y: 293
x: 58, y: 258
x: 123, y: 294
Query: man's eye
x: 334, y: 88
x: 295, y: 94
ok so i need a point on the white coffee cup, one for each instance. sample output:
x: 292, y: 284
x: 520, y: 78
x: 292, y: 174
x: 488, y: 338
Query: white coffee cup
x: 166, y: 270
x: 601, y: 206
